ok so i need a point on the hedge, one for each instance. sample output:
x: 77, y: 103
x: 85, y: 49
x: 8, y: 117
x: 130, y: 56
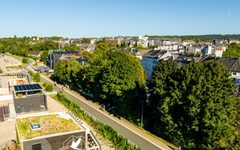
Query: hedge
x: 118, y: 141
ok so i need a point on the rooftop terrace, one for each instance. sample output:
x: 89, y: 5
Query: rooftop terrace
x: 36, y: 126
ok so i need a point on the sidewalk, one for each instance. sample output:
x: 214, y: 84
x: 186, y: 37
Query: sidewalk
x: 143, y: 133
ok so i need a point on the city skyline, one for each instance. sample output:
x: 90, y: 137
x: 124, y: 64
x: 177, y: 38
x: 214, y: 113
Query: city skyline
x: 118, y: 18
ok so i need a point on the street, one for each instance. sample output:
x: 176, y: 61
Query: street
x: 139, y: 137
x: 144, y: 141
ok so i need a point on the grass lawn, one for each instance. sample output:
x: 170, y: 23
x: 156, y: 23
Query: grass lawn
x: 49, y: 124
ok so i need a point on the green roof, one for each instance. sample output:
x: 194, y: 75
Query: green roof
x: 49, y: 124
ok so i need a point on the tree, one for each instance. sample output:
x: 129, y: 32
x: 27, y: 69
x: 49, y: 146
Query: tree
x: 116, y: 79
x: 48, y: 87
x: 195, y: 105
x: 158, y: 89
x: 43, y: 56
x: 86, y: 55
x: 36, y: 77
x: 24, y: 60
x: 71, y: 48
x: 56, y: 38
x: 60, y: 71
x: 86, y: 40
x: 22, y: 46
x: 233, y: 50
x: 73, y: 68
x: 67, y: 72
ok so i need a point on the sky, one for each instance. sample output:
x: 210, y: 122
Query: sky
x: 100, y: 18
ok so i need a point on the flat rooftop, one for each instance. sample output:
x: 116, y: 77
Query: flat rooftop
x: 31, y: 127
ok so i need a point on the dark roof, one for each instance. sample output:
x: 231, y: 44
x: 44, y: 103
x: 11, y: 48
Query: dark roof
x: 64, y: 52
x: 27, y: 87
x: 232, y: 64
x: 154, y: 53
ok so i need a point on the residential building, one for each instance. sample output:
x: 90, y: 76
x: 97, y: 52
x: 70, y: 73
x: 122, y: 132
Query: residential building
x: 195, y: 49
x: 151, y: 58
x: 142, y: 41
x: 217, y: 51
x: 132, y: 43
x: 29, y: 98
x: 234, y: 41
x: 55, y: 56
x: 232, y: 64
x: 55, y: 131
x: 206, y: 50
x: 114, y: 42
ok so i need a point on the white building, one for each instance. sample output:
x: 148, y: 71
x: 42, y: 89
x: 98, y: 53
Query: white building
x: 207, y: 50
x: 143, y: 41
x: 150, y: 59
x: 218, y: 53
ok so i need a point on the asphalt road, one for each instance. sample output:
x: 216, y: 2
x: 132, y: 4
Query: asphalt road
x: 143, y: 142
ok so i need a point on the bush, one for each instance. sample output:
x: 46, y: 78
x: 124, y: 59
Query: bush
x: 24, y: 60
x: 48, y: 87
x: 36, y: 77
x: 107, y: 132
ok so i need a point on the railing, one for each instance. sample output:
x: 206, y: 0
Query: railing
x: 95, y: 139
x: 88, y: 131
x: 67, y: 143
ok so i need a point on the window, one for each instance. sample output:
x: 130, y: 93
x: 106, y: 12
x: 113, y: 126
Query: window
x: 37, y: 146
x: 154, y: 61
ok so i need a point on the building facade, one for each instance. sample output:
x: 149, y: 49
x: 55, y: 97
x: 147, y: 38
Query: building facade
x: 29, y: 98
x: 150, y: 60
x: 55, y: 131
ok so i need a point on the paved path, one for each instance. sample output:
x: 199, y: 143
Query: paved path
x: 7, y: 131
x: 140, y: 137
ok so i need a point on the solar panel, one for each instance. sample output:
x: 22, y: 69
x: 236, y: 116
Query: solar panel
x: 38, y: 86
x: 27, y: 87
x: 21, y: 88
x: 35, y: 86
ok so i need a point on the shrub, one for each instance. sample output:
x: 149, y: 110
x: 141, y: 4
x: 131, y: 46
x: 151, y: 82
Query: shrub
x: 106, y: 131
x: 48, y: 87
x: 36, y: 77
x: 24, y: 60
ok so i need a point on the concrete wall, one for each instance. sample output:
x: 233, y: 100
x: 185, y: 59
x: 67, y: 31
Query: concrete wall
x: 58, y: 142
x: 30, y: 103
x: 4, y: 110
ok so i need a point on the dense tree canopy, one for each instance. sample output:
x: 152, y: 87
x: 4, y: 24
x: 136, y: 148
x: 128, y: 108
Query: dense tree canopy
x: 112, y: 77
x: 86, y: 40
x: 23, y: 46
x: 193, y: 106
x: 117, y: 79
x: 43, y: 56
x: 71, y: 48
x: 67, y: 72
x: 233, y: 50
